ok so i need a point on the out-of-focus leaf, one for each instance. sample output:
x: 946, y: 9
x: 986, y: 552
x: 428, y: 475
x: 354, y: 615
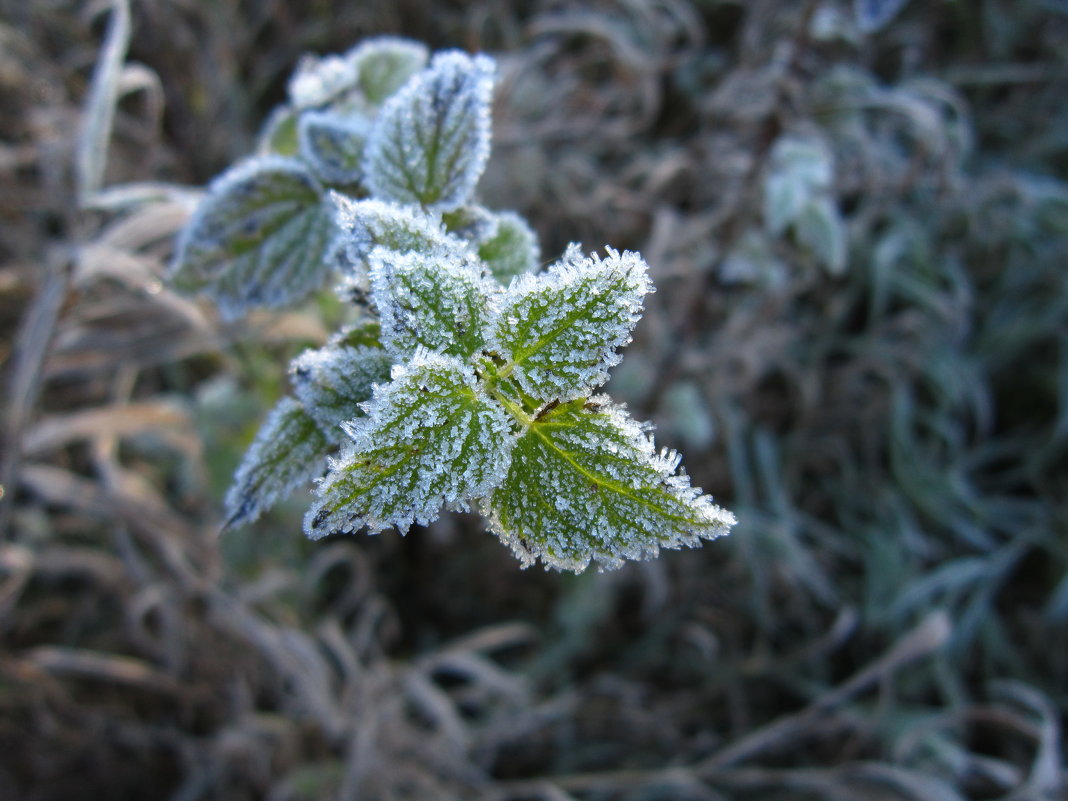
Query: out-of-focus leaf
x: 333, y: 145
x: 263, y: 236
x: 279, y: 134
x: 871, y: 15
x: 288, y: 451
x: 820, y: 229
x: 383, y: 64
x: 431, y: 140
x: 510, y: 248
x: 334, y: 381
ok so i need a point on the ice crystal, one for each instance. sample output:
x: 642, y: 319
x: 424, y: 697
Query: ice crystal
x: 367, y: 224
x: 333, y: 381
x: 262, y: 236
x: 431, y: 140
x: 586, y: 483
x: 288, y: 451
x: 559, y: 331
x: 431, y: 438
x: 428, y: 301
x: 467, y: 378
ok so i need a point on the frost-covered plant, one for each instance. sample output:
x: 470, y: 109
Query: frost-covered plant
x: 466, y: 379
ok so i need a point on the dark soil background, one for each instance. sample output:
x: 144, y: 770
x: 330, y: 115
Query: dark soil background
x: 882, y: 399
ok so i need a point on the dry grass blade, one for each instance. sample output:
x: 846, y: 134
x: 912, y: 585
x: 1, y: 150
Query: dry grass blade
x: 33, y: 342
x: 120, y: 670
x: 100, y: 104
x: 120, y: 420
x: 931, y: 634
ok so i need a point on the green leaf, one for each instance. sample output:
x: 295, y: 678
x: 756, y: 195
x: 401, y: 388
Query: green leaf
x: 431, y: 438
x: 784, y: 197
x: 333, y: 381
x: 364, y: 333
x: 586, y: 484
x: 321, y: 81
x: 431, y: 140
x: 333, y: 145
x: 558, y: 331
x: 428, y: 301
x: 279, y: 134
x: 262, y: 237
x: 289, y: 450
x: 820, y: 229
x: 383, y: 64
x: 801, y: 170
x: 510, y: 249
x: 370, y: 224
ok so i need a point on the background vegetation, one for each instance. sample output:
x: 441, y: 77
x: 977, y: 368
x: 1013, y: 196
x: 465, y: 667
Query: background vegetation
x: 859, y: 340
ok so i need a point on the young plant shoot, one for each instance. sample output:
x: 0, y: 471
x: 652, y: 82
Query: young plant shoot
x: 467, y: 381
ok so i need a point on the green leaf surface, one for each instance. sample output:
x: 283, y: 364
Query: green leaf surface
x: 819, y: 228
x: 366, y: 332
x: 369, y: 224
x: 558, y: 331
x: 289, y: 450
x: 384, y: 64
x: 510, y: 249
x: 431, y: 140
x: 333, y: 145
x: 261, y: 237
x: 425, y: 301
x: 431, y: 438
x: 333, y: 381
x: 586, y: 483
x: 279, y: 134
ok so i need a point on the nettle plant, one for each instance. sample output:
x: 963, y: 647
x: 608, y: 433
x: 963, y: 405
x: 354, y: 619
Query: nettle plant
x: 466, y: 380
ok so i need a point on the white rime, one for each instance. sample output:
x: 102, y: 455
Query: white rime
x: 560, y: 330
x: 333, y: 382
x: 431, y: 301
x: 261, y: 237
x: 431, y: 141
x: 431, y: 438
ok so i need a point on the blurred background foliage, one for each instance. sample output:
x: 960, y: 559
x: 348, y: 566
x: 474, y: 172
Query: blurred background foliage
x: 857, y: 219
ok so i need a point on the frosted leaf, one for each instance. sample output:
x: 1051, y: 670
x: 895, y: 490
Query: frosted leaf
x: 289, y: 450
x: 503, y: 240
x: 279, y: 134
x: 363, y: 333
x: 383, y: 64
x: 333, y: 381
x: 431, y: 438
x: 510, y: 248
x: 321, y: 80
x: 432, y: 138
x: 367, y: 224
x: 261, y: 237
x: 819, y: 228
x: 874, y: 14
x: 587, y: 484
x: 333, y: 145
x: 559, y: 331
x: 800, y: 170
x: 428, y: 301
